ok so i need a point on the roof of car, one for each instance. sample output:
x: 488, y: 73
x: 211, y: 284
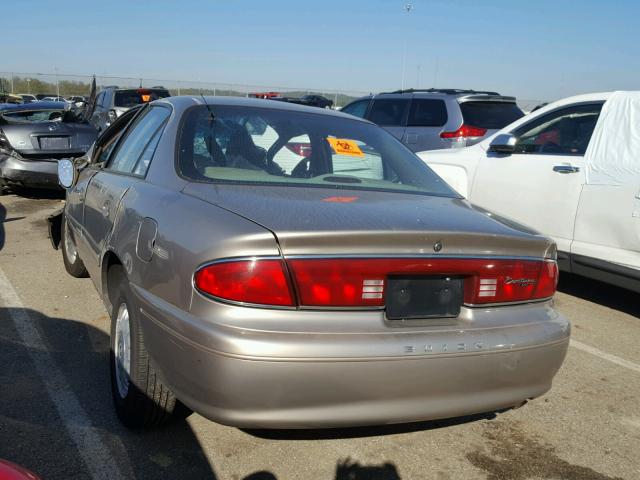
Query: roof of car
x: 185, y: 101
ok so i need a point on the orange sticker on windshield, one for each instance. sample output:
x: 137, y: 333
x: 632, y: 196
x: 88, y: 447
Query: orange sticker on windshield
x: 342, y: 146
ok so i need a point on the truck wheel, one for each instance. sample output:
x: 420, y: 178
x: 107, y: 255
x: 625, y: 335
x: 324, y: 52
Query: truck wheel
x: 72, y: 261
x: 140, y: 398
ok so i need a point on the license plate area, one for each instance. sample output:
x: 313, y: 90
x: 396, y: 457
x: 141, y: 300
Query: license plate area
x: 54, y: 143
x: 417, y: 297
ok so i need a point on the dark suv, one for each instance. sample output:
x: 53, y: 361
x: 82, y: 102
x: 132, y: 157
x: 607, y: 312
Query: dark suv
x: 437, y: 118
x: 114, y: 101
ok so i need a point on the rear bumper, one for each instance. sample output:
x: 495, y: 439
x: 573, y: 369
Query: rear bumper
x: 29, y: 173
x: 258, y: 383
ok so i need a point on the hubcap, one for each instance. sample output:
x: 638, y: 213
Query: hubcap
x: 122, y: 352
x: 69, y: 245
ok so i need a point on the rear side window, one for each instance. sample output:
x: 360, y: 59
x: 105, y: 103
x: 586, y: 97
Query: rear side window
x: 357, y: 108
x: 140, y: 136
x: 490, y: 115
x: 390, y: 112
x: 131, y: 98
x: 427, y: 113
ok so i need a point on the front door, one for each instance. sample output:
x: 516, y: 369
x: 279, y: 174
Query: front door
x: 540, y: 183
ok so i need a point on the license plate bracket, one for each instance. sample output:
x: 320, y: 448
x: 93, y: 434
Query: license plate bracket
x: 418, y: 297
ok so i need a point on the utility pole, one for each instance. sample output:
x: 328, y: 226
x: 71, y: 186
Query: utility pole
x: 407, y: 8
x: 57, y: 83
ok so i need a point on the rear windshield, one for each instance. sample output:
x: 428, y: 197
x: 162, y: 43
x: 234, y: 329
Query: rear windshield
x: 491, y: 115
x: 269, y: 146
x: 131, y: 98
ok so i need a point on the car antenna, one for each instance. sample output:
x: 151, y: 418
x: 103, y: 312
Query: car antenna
x: 213, y: 117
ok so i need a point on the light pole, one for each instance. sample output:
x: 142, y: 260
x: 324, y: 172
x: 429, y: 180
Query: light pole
x: 28, y: 85
x: 57, y: 83
x: 407, y: 8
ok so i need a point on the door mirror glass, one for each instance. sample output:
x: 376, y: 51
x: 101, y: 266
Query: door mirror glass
x: 503, y: 143
x: 67, y: 173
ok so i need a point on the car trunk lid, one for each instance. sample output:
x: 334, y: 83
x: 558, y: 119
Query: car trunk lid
x: 325, y: 221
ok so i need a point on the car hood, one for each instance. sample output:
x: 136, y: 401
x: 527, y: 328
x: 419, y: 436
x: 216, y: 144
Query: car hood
x: 338, y: 222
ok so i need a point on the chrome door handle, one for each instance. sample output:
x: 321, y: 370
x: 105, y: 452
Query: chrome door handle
x: 566, y: 169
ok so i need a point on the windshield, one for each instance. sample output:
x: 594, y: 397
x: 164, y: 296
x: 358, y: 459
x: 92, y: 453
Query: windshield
x: 131, y: 98
x: 269, y: 146
x: 491, y: 115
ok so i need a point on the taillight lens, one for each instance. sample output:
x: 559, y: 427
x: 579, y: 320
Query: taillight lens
x: 465, y: 131
x: 262, y: 282
x: 362, y: 282
x: 302, y: 149
x: 349, y: 282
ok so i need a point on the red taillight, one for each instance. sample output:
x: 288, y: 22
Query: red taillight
x: 465, y: 131
x: 362, y: 282
x: 263, y: 282
x: 302, y: 149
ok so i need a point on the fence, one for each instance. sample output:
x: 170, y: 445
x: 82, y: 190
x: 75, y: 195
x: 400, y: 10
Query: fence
x: 55, y: 84
x: 67, y: 85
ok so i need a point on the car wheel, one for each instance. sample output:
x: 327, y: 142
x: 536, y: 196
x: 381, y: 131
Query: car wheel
x: 72, y: 261
x: 3, y: 186
x: 140, y: 398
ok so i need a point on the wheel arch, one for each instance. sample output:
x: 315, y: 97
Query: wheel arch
x: 109, y: 260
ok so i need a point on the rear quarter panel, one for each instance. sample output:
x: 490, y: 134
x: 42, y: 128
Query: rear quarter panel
x: 190, y: 232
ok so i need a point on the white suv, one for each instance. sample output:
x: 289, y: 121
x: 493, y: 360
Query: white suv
x: 570, y: 170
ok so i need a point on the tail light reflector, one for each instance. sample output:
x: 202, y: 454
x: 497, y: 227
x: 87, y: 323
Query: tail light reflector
x: 362, y: 282
x: 465, y: 131
x: 261, y: 282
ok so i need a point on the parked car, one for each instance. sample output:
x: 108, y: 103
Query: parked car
x: 357, y: 289
x: 54, y: 98
x: 42, y: 96
x: 34, y: 136
x: 551, y: 171
x: 437, y: 118
x: 310, y: 100
x: 27, y: 97
x: 114, y: 101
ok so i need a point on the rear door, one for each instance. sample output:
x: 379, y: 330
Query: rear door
x: 427, y: 117
x: 390, y: 113
x: 540, y: 183
x: 126, y: 166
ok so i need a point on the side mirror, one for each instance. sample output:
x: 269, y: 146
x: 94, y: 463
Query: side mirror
x: 112, y: 115
x: 67, y: 173
x: 503, y: 143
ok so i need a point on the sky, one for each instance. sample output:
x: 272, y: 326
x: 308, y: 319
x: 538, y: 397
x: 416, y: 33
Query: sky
x: 543, y: 49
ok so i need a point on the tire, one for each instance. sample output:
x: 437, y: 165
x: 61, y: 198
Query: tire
x: 141, y: 400
x: 3, y: 186
x: 72, y: 261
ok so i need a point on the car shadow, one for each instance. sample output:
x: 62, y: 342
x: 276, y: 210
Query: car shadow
x: 33, y: 435
x: 372, y: 431
x: 601, y: 293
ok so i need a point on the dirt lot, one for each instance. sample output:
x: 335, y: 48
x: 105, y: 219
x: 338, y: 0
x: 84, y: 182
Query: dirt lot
x: 56, y: 416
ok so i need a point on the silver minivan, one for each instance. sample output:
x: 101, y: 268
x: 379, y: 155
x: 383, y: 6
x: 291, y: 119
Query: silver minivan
x: 437, y: 118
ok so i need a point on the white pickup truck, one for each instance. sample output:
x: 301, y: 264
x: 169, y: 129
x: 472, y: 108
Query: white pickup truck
x: 570, y: 170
